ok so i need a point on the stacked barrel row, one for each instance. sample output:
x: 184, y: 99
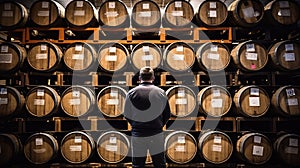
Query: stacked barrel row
x: 181, y: 147
x: 148, y: 14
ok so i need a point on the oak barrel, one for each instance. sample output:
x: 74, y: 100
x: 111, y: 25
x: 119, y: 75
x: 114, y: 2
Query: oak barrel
x: 114, y: 13
x: 213, y: 56
x: 178, y: 13
x: 13, y: 15
x: 40, y: 148
x: 12, y: 57
x: 11, y: 101
x: 181, y: 147
x: 146, y: 54
x: 285, y: 55
x: 214, y: 101
x: 113, y: 57
x: 146, y: 14
x: 77, y: 147
x: 47, y: 13
x: 77, y: 101
x: 250, y: 56
x: 113, y: 146
x: 111, y: 101
x: 252, y: 101
x: 212, y: 13
x: 285, y: 100
x: 254, y: 148
x: 179, y: 57
x: 10, y: 149
x: 287, y: 149
x: 81, y: 13
x: 44, y: 56
x: 246, y: 13
x: 182, y: 100
x: 215, y: 147
x: 79, y: 56
x: 42, y: 101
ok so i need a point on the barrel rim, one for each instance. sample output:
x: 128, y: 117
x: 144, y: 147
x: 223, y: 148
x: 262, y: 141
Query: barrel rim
x: 218, y: 1
x: 17, y: 48
x: 276, y: 97
x: 272, y: 3
x: 15, y: 141
x: 24, y: 14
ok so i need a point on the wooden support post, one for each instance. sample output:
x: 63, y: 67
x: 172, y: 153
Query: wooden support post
x: 94, y: 123
x: 197, y: 79
x: 94, y: 79
x: 162, y: 35
x: 129, y: 76
x: 57, y: 124
x: 21, y: 125
x: 196, y: 35
x: 61, y: 34
x: 129, y: 35
x: 163, y: 79
x: 60, y: 79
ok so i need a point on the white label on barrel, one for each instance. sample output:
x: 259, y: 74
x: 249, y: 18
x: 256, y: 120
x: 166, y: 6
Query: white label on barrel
x: 250, y: 47
x: 254, y: 102
x: 181, y: 101
x: 248, y: 12
x: 181, y: 93
x: 213, y: 5
x: 113, y: 140
x: 257, y: 139
x: 216, y: 103
x: 217, y: 148
x: 40, y: 92
x: 146, y: 49
x: 178, y: 57
x: 146, y: 6
x: 39, y: 102
x: 3, y: 101
x: 114, y: 93
x: 289, y: 57
x: 7, y: 13
x: 79, y: 4
x: 111, y: 14
x: 43, y: 13
x: 79, y: 13
x: 293, y: 102
x: 179, y: 48
x: 212, y: 13
x: 75, y: 93
x: 112, y: 101
x: 38, y: 141
x: 111, y: 148
x: 112, y: 49
x: 177, y: 13
x: 77, y: 139
x: 293, y: 142
x: 290, y: 92
x: 74, y: 102
x: 251, y: 56
x: 258, y: 150
x: 145, y: 14
x: 180, y: 148
x: 181, y: 139
x: 217, y: 139
x: 216, y: 93
x: 45, y: 4
x: 78, y: 47
x: 4, y: 49
x: 291, y: 150
x: 289, y: 47
x: 111, y: 5
x: 254, y: 91
x: 3, y: 91
x: 213, y: 56
x: 41, y: 56
x: 75, y: 148
x: 147, y: 57
x: 214, y: 48
x: 284, y: 4
x: 7, y: 6
x: 43, y: 47
x: 112, y: 58
x: 78, y: 56
x: 284, y: 12
x: 178, y: 4
x: 6, y: 58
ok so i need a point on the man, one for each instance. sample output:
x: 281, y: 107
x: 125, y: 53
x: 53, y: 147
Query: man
x: 147, y: 110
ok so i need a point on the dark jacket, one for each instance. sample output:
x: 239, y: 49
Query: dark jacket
x: 146, y: 109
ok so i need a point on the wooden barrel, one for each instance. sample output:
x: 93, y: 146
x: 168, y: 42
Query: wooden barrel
x: 286, y: 101
x: 246, y: 13
x: 212, y: 13
x: 40, y: 148
x: 146, y: 54
x: 178, y: 13
x: 254, y: 148
x: 42, y: 101
x: 10, y: 148
x: 250, y: 56
x: 47, y: 13
x: 285, y: 55
x: 182, y: 100
x: 113, y: 146
x: 213, y: 56
x: 282, y: 12
x: 81, y: 13
x: 111, y: 101
x: 44, y: 56
x: 215, y: 147
x: 179, y: 56
x: 214, y: 101
x: 113, y: 57
x: 77, y: 101
x: 287, y: 148
x: 181, y: 147
x: 11, y: 57
x: 79, y: 56
x: 77, y: 147
x: 146, y: 14
x: 114, y: 13
x: 252, y: 101
x: 13, y: 15
x: 11, y: 101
